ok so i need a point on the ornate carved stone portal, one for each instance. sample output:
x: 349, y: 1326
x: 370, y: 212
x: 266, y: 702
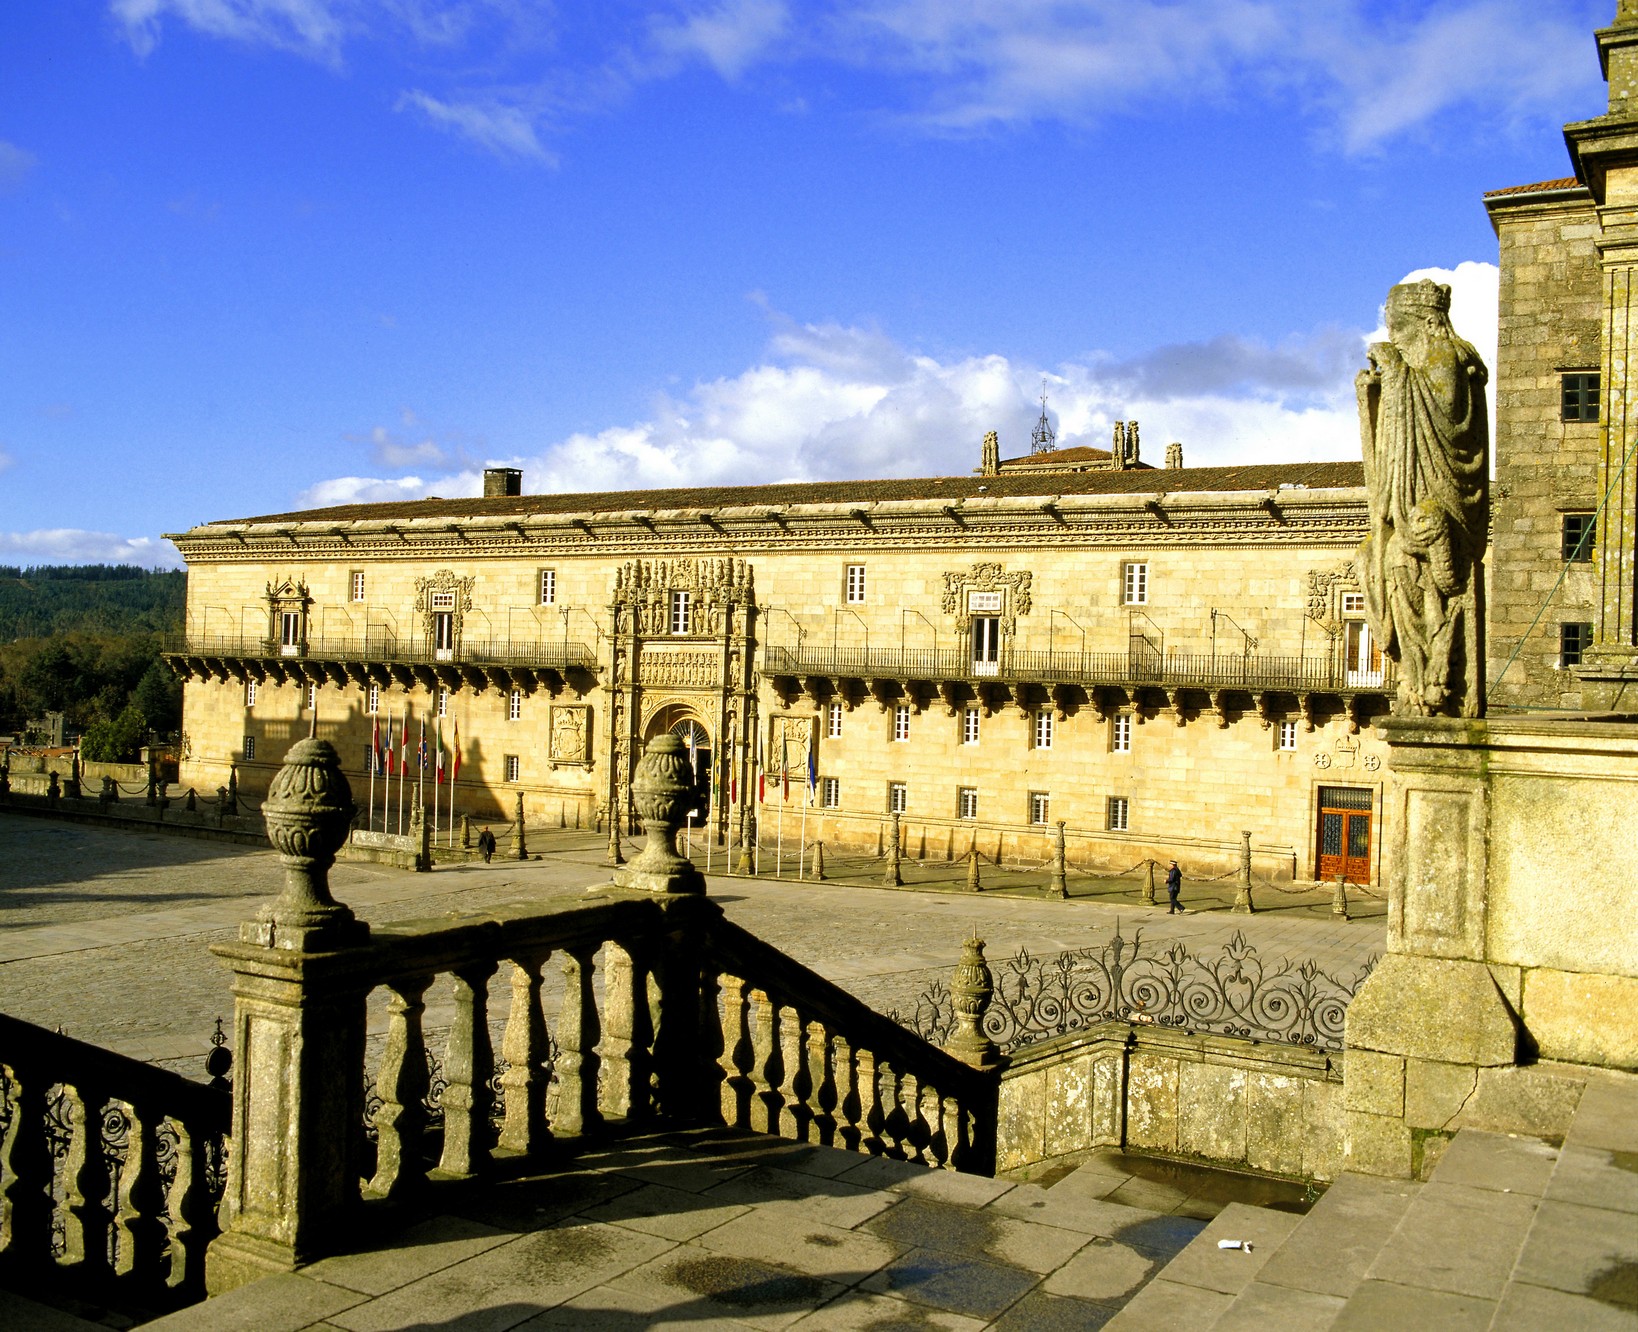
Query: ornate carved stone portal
x: 1011, y: 591
x: 683, y: 636
x: 1426, y: 436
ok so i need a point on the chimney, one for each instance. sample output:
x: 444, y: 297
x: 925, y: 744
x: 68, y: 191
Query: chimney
x: 502, y: 481
x: 1174, y: 457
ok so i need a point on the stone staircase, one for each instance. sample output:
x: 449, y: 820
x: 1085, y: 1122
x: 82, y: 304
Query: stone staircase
x: 1508, y: 1233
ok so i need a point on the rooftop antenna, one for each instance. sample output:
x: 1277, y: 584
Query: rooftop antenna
x: 1043, y: 439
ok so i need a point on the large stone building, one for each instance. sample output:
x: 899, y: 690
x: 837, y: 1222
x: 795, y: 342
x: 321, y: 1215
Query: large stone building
x: 1163, y: 659
x: 1563, y: 614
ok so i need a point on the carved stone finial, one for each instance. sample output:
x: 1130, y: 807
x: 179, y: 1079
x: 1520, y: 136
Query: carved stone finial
x: 990, y: 461
x: 1426, y: 440
x: 971, y: 989
x: 663, y: 790
x: 309, y: 812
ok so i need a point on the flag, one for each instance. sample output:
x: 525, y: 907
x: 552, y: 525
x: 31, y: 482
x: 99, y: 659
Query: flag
x: 455, y: 751
x: 375, y: 747
x: 421, y: 749
x: 813, y: 776
x: 386, y: 750
x: 438, y: 751
x: 403, y: 744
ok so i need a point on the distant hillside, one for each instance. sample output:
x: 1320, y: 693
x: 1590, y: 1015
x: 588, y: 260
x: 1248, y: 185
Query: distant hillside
x: 99, y: 599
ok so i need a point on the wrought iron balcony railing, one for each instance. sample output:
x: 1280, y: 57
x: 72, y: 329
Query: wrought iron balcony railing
x: 387, y: 649
x: 1141, y: 665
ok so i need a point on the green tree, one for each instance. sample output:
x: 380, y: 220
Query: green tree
x: 158, y: 697
x: 118, y: 741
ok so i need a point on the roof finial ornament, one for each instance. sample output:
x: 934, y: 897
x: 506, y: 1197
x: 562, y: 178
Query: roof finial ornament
x: 1043, y: 439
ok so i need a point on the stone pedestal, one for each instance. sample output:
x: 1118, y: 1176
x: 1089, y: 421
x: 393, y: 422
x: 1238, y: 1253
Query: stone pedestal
x: 663, y: 789
x: 1511, y: 938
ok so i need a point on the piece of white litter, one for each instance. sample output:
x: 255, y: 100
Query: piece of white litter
x: 1243, y: 1245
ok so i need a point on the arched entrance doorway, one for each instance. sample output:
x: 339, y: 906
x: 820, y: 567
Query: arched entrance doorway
x: 681, y: 722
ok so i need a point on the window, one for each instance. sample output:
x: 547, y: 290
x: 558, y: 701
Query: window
x: 898, y: 798
x: 1040, y: 808
x: 855, y: 584
x: 1573, y: 642
x: 830, y: 793
x: 250, y: 693
x: 548, y: 587
x: 1043, y: 729
x: 1115, y: 812
x: 1288, y: 735
x: 1580, y: 397
x: 250, y: 747
x: 986, y: 644
x: 443, y: 702
x: 511, y: 767
x: 1120, y: 733
x: 969, y: 726
x: 1353, y: 603
x: 514, y: 705
x: 833, y: 721
x: 372, y: 699
x: 312, y: 697
x: 355, y: 582
x: 901, y: 722
x: 1580, y: 529
x: 681, y: 613
x: 289, y: 633
x: 966, y: 802
x: 1134, y: 584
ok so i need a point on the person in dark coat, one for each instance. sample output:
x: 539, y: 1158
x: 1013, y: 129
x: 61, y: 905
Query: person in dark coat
x: 486, y: 844
x: 1174, y: 884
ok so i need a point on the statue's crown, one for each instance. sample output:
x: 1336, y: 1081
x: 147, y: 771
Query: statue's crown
x: 1423, y: 295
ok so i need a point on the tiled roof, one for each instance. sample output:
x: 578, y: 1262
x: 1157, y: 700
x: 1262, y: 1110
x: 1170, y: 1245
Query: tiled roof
x: 1539, y: 187
x: 1268, y: 476
x: 1058, y: 457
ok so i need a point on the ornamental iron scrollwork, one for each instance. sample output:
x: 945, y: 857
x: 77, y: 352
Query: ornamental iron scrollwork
x: 1234, y: 993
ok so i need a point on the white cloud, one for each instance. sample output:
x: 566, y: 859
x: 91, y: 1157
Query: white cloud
x: 15, y: 165
x: 375, y: 490
x: 506, y: 130
x: 396, y: 452
x: 312, y: 28
x: 728, y: 36
x: 72, y: 545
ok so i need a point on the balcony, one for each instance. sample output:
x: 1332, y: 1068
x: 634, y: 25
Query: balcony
x: 1031, y: 678
x: 385, y: 660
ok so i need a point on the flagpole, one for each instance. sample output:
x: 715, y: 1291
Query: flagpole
x: 454, y: 768
x: 375, y: 753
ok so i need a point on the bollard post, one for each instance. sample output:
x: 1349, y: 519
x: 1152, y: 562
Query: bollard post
x: 818, y: 862
x: 973, y: 883
x: 1339, y: 898
x: 1242, y: 899
x: 1060, y: 881
x: 466, y: 832
x: 517, y: 824
x: 891, y: 876
x: 1149, y: 885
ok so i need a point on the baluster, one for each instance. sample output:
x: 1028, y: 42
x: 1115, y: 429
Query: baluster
x: 889, y: 1089
x: 767, y: 1072
x: 871, y: 1114
x: 708, y: 1059
x: 85, y: 1183
x: 628, y: 1033
x: 914, y: 1138
x: 139, y: 1231
x: 524, y: 1047
x: 955, y: 1144
x: 193, y: 1218
x: 26, y: 1168
x: 738, y: 1053
x: 402, y: 1085
x: 822, y: 1099
x: 578, y: 1032
x: 797, y: 1087
x: 469, y: 1063
x: 938, y: 1146
x: 850, y: 1111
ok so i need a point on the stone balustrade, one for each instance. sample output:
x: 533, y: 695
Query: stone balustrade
x: 111, y: 1169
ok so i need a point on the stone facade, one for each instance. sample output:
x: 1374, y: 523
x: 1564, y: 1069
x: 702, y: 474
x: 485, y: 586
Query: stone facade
x: 1219, y: 702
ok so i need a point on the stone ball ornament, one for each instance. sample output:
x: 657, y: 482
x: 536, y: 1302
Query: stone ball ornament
x: 663, y: 791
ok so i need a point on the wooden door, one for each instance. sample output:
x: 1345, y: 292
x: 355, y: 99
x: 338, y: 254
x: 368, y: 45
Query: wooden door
x: 1344, y: 842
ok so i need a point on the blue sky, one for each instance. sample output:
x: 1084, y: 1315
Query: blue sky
x: 256, y: 254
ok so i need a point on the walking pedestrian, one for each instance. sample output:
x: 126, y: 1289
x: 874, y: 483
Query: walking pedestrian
x: 486, y: 844
x: 1174, y: 884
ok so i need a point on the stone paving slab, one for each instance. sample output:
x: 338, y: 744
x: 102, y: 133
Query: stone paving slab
x: 1458, y: 1239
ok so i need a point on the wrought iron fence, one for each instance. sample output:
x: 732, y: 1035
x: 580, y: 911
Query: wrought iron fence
x: 387, y: 649
x: 1235, y: 992
x: 1139, y: 665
